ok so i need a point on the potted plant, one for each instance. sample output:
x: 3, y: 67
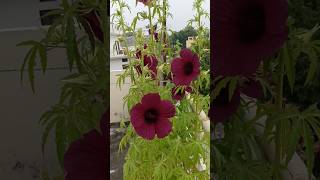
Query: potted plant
x: 167, y: 136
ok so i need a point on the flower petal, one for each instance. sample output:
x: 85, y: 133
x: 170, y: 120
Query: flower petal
x: 137, y: 115
x: 230, y: 55
x: 163, y: 128
x: 177, y: 66
x: 146, y: 131
x: 86, y: 158
x: 167, y: 109
x: 186, y: 54
x: 151, y: 100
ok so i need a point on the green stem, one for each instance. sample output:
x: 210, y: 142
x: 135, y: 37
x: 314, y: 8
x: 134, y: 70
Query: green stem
x: 151, y: 26
x: 164, y: 27
x: 122, y: 20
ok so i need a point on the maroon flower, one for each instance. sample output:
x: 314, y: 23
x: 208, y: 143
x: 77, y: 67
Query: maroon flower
x: 145, y: 2
x: 138, y: 52
x: 150, y: 61
x: 221, y: 108
x: 186, y: 68
x: 155, y: 34
x: 93, y: 20
x: 179, y: 94
x: 151, y: 116
x: 87, y: 158
x: 245, y: 32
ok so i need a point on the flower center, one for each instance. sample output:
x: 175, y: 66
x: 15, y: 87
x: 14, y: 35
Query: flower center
x: 251, y: 23
x: 188, y: 68
x: 222, y: 98
x: 151, y: 116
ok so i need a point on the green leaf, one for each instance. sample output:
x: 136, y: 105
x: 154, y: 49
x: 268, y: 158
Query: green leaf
x: 312, y: 67
x: 24, y: 64
x: 78, y: 79
x: 43, y: 57
x: 232, y: 87
x: 45, y: 134
x: 308, y: 142
x: 71, y: 46
x: 221, y: 84
x: 29, y: 43
x: 293, y: 139
x: 70, y: 35
x: 289, y: 65
x: 60, y: 141
x: 31, y: 65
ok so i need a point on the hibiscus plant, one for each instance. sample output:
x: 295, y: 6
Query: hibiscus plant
x: 256, y: 132
x: 166, y: 137
x: 81, y: 30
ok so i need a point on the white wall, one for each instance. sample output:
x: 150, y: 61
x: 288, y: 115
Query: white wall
x: 20, y: 110
x: 22, y: 13
x: 117, y: 110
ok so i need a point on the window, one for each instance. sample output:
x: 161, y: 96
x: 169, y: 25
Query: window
x: 47, y: 0
x: 117, y: 47
x: 125, y: 66
x: 124, y: 60
x: 47, y: 20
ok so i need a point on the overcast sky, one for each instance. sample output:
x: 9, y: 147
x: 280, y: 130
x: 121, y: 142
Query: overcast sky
x: 181, y: 10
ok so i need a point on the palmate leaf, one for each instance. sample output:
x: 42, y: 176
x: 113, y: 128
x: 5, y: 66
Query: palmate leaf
x: 223, y: 83
x: 24, y: 63
x: 31, y: 65
x: 30, y: 59
x: 293, y: 141
x: 60, y: 135
x: 289, y: 62
x: 308, y: 142
x: 313, y: 67
x: 71, y: 45
x: 43, y: 57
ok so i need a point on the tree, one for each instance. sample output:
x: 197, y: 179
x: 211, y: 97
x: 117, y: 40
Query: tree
x: 183, y: 35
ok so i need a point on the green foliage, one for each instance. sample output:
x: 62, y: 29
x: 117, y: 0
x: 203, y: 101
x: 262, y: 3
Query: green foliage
x: 305, y: 15
x: 30, y: 59
x: 174, y: 157
x: 177, y: 155
x: 84, y: 93
x: 285, y: 115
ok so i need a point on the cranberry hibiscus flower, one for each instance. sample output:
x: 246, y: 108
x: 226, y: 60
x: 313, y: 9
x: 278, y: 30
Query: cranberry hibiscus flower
x: 150, y: 61
x: 245, y: 32
x: 92, y: 18
x: 151, y: 116
x: 186, y: 68
x: 87, y: 158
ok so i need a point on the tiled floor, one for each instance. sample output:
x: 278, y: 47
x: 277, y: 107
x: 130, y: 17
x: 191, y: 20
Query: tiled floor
x: 116, y: 158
